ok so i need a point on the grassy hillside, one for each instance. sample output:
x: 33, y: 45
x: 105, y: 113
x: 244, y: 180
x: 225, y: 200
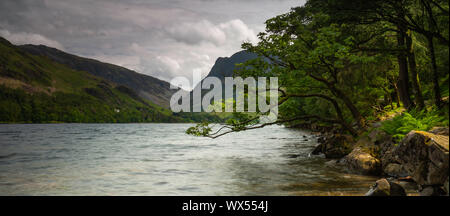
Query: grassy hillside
x: 34, y: 89
x: 147, y: 87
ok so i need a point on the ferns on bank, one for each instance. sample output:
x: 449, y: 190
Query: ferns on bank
x: 423, y: 120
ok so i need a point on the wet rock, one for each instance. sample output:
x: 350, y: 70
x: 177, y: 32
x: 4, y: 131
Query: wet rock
x: 424, y: 156
x: 407, y: 183
x: 338, y: 146
x: 395, y: 170
x: 359, y: 161
x: 317, y: 150
x: 293, y: 155
x: 334, y: 146
x: 383, y: 187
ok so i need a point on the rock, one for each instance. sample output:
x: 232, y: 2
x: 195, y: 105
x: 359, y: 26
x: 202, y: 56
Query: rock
x: 364, y: 142
x: 395, y: 170
x: 432, y: 191
x: 424, y: 156
x: 338, y: 146
x: 317, y: 150
x: 383, y: 187
x: 380, y: 188
x: 335, y: 146
x: 377, y: 135
x: 360, y: 161
x: 440, y: 131
x: 406, y: 183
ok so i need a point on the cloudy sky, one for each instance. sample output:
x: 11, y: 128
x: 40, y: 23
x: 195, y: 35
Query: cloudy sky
x: 161, y: 38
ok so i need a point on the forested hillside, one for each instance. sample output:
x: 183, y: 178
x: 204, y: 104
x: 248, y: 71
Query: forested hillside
x: 35, y: 89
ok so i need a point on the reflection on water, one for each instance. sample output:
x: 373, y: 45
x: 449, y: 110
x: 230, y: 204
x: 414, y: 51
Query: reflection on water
x: 160, y: 159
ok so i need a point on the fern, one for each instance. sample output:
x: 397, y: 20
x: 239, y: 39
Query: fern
x: 400, y: 125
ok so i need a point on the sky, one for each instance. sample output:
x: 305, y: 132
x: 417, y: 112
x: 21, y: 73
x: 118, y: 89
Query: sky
x: 160, y: 38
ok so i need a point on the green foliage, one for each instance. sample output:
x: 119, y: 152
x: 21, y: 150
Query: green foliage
x: 400, y: 125
x: 337, y: 62
x: 201, y: 129
x: 18, y: 106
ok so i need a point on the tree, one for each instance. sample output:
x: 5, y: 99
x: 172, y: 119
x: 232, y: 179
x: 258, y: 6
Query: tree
x: 311, y: 57
x: 341, y: 62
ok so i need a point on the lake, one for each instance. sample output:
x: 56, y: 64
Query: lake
x: 160, y: 159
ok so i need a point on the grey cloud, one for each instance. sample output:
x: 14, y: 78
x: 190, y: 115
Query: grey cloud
x: 205, y: 31
x: 162, y: 38
x: 29, y: 38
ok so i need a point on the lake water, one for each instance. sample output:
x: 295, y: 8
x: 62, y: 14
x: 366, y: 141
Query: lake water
x: 160, y: 159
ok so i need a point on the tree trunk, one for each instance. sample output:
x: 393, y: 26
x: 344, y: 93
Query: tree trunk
x: 432, y: 25
x: 338, y: 110
x: 402, y: 84
x: 349, y: 104
x: 397, y: 97
x: 437, y: 91
x: 418, y: 98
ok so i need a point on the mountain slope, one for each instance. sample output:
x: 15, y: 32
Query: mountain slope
x: 147, y: 87
x: 224, y: 67
x: 34, y: 88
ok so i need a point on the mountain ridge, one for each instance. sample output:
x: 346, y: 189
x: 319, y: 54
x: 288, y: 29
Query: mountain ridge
x: 35, y: 89
x: 223, y: 67
x: 148, y: 87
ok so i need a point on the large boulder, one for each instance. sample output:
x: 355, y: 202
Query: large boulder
x: 424, y: 156
x: 360, y: 161
x: 383, y: 187
x: 335, y: 146
x: 394, y: 170
x: 406, y: 182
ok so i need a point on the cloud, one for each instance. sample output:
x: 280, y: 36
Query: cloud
x: 160, y: 38
x: 196, y: 33
x: 21, y: 38
x: 204, y: 31
x: 237, y: 30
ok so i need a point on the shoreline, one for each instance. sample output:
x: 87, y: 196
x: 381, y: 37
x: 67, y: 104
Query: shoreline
x: 372, y: 154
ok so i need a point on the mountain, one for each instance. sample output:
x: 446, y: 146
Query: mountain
x: 224, y: 67
x: 38, y: 88
x: 147, y: 87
